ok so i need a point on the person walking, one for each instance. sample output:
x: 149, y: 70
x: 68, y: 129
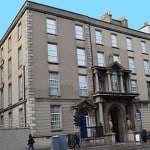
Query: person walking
x: 31, y: 143
x: 76, y: 141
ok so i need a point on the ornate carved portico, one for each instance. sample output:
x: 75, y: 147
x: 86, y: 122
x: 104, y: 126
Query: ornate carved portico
x: 114, y: 97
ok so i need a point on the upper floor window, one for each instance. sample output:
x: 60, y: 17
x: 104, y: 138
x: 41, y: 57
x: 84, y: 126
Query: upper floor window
x: 2, y: 54
x: 1, y: 98
x: 98, y: 36
x: 83, y: 85
x: 114, y: 81
x: 9, y: 44
x: 129, y: 43
x: 116, y: 58
x: 81, y: 57
x: 10, y: 94
x: 143, y: 47
x: 114, y: 40
x: 19, y: 30
x: 100, y: 58
x: 79, y: 32
x: 9, y: 67
x: 132, y: 64
x: 51, y: 26
x: 1, y: 121
x: 147, y: 67
x: 148, y: 88
x: 53, y: 83
x: 55, y: 112
x: 10, y: 119
x: 133, y: 86
x: 1, y: 76
x: 21, y: 118
x: 19, y: 56
x: 52, y: 53
x: 20, y: 87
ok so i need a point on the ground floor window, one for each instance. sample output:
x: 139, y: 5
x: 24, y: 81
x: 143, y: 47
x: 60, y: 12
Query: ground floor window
x: 55, y: 111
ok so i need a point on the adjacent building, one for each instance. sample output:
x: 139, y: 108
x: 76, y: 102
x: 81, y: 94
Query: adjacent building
x: 55, y: 64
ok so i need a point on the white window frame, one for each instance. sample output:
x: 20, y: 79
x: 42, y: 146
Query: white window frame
x: 116, y: 58
x: 9, y: 94
x: 20, y: 87
x: 147, y: 67
x: 52, y: 53
x: 1, y: 99
x: 10, y: 117
x: 143, y: 47
x: 132, y: 64
x: 9, y: 67
x: 83, y: 86
x: 114, y: 40
x: 81, y: 57
x: 129, y: 44
x: 55, y: 113
x: 19, y: 56
x: 54, y: 83
x: 21, y: 118
x: 1, y: 121
x: 9, y: 44
x: 19, y: 30
x: 100, y: 58
x: 51, y: 26
x: 133, y: 85
x: 98, y: 37
x: 79, y: 32
x: 148, y: 88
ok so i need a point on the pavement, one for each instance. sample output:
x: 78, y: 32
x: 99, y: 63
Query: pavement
x: 119, y: 146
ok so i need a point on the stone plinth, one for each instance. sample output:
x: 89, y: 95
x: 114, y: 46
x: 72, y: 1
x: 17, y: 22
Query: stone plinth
x: 110, y: 138
x: 130, y: 136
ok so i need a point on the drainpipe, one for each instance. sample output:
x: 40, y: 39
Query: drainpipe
x: 24, y: 97
x: 92, y: 69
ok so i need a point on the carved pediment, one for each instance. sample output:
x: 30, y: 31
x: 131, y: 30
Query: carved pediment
x: 84, y: 103
x: 116, y: 65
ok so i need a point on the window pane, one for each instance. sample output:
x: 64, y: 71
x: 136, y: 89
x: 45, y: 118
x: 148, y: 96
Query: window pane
x: 55, y: 116
x: 148, y: 88
x: 100, y: 58
x: 53, y: 82
x: 51, y: 26
x: 147, y: 67
x: 132, y: 64
x: 52, y: 53
x: 81, y: 57
x: 79, y: 32
x: 116, y: 58
x: 129, y: 44
x: 83, y: 85
x: 143, y: 47
x: 133, y: 86
x: 98, y: 35
x: 114, y: 40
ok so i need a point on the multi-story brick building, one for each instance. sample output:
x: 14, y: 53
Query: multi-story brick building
x: 56, y: 63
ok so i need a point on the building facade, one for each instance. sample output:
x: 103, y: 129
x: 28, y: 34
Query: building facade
x: 56, y: 64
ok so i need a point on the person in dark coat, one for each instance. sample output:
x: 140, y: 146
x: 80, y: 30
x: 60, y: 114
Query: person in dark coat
x: 31, y: 143
x: 144, y: 135
x: 76, y: 141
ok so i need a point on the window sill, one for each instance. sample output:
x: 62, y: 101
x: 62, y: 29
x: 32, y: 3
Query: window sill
x: 115, y: 47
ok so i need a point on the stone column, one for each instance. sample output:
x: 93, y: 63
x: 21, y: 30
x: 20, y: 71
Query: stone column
x: 121, y: 82
x: 101, y: 112
x: 96, y: 81
x: 109, y: 81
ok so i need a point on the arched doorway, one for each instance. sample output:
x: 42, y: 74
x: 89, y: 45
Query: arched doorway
x: 116, y: 116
